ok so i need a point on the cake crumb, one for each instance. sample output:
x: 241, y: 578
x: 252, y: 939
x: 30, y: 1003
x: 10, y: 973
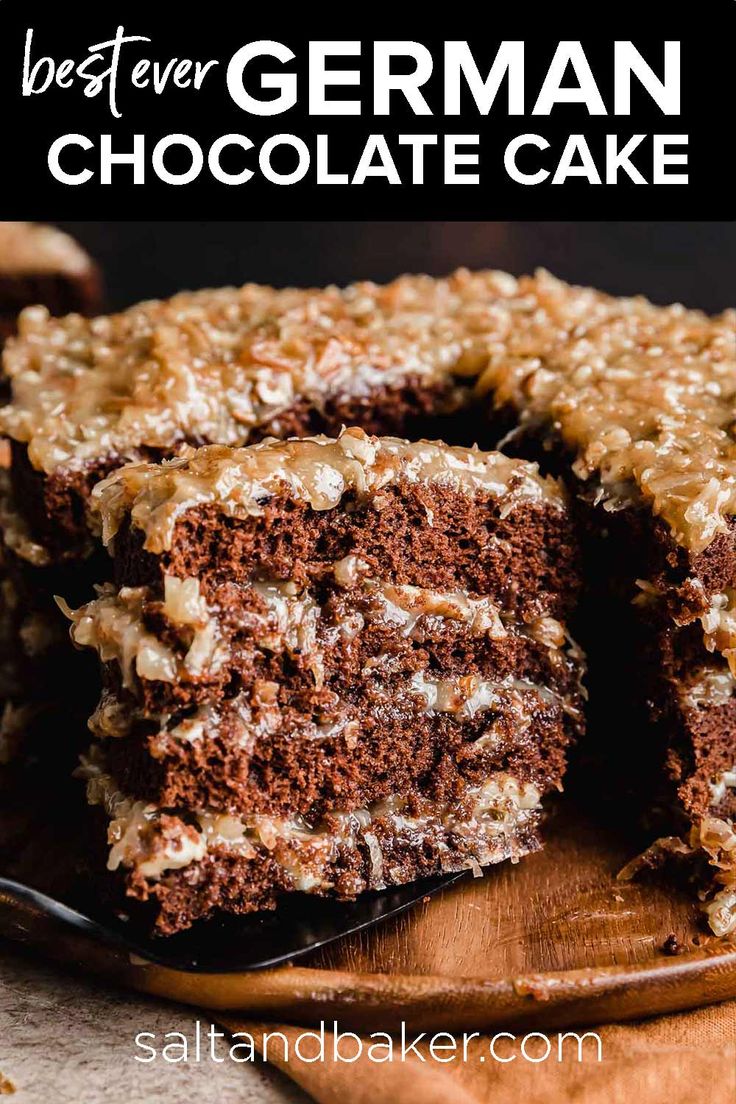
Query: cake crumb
x: 673, y: 946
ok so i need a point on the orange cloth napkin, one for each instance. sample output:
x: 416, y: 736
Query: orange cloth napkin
x: 686, y: 1058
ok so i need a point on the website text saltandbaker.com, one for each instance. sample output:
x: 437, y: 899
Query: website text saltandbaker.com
x: 339, y: 79
x: 329, y: 1043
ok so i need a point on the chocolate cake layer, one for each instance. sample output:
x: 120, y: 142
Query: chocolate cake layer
x: 691, y: 802
x: 188, y: 867
x: 311, y: 768
x: 302, y: 712
x: 667, y: 745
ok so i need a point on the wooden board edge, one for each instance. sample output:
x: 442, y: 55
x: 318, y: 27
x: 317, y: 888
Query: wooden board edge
x: 369, y: 1002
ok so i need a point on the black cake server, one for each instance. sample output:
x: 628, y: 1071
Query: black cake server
x: 230, y: 944
x: 48, y: 900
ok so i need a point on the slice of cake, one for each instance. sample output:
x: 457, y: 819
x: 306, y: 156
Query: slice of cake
x: 330, y: 665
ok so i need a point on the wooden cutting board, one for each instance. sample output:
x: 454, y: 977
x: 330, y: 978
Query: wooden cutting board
x: 553, y: 941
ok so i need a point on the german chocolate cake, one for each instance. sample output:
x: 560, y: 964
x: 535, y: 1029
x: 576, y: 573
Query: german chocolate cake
x: 630, y: 404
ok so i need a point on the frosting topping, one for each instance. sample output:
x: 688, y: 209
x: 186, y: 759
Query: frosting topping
x: 152, y: 841
x: 643, y: 396
x: 212, y: 365
x: 316, y: 470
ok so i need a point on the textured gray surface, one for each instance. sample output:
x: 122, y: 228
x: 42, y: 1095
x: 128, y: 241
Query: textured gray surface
x: 67, y: 1039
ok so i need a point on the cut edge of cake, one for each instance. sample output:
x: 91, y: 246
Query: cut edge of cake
x: 314, y: 631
